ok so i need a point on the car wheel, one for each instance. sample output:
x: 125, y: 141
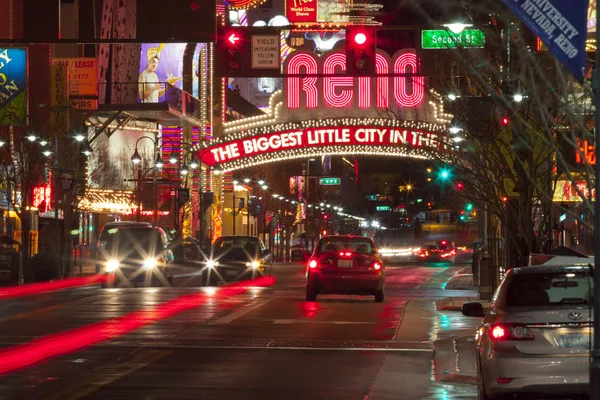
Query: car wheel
x: 379, y: 296
x: 311, y: 293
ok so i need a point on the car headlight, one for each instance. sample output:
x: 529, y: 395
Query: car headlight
x: 150, y: 263
x: 112, y: 265
x: 253, y: 264
x: 211, y: 264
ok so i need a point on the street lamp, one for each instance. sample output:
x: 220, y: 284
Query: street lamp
x: 136, y: 158
x: 31, y: 138
x: 79, y: 137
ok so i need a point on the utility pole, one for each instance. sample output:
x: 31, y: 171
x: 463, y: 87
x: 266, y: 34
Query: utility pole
x: 233, y: 208
x: 595, y: 366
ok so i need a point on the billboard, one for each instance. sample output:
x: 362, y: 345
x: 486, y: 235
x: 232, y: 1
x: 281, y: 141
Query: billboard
x: 83, y: 75
x: 13, y: 86
x: 161, y: 64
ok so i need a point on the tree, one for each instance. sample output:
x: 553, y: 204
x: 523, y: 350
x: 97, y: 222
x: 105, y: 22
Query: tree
x: 516, y: 117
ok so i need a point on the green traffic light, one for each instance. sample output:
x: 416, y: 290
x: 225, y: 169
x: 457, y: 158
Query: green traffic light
x: 444, y: 174
x: 469, y: 207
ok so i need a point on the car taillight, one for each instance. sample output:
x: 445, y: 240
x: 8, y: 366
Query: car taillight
x: 347, y: 254
x: 510, y: 332
x: 376, y: 266
x: 313, y: 264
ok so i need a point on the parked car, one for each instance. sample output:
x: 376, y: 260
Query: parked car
x: 536, y: 336
x: 442, y: 251
x: 345, y: 265
x: 137, y: 254
x: 235, y: 258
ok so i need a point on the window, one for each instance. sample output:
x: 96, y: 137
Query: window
x: 355, y: 245
x: 561, y: 288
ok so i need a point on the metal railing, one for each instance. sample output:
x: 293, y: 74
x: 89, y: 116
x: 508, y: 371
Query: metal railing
x: 150, y: 93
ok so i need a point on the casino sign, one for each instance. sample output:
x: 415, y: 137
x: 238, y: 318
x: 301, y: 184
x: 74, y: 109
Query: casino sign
x: 321, y: 111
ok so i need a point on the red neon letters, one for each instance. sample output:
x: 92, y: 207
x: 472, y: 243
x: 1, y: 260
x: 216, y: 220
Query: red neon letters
x: 339, y: 91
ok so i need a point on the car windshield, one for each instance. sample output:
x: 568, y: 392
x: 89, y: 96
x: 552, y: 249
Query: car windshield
x: 137, y: 243
x: 356, y: 245
x: 237, y: 245
x: 551, y: 289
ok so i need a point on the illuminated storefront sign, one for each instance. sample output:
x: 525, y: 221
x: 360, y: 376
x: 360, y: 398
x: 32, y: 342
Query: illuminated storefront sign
x: 588, y: 152
x: 353, y: 137
x: 567, y: 191
x: 301, y: 10
x: 445, y: 39
x: 339, y: 91
x: 42, y: 196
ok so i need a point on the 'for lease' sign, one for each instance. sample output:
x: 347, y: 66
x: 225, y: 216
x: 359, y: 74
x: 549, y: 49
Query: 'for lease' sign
x: 265, y: 51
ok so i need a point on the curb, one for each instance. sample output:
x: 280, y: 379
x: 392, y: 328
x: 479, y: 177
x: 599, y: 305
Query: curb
x: 453, y: 357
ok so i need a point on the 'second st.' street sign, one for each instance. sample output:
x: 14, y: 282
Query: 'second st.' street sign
x: 445, y: 39
x: 330, y: 181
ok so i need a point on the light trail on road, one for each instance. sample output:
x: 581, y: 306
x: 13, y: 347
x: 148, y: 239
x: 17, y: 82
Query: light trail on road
x: 39, y: 350
x: 38, y: 288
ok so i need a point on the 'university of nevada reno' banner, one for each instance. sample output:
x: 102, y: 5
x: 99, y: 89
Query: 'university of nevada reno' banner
x: 13, y: 77
x: 560, y: 24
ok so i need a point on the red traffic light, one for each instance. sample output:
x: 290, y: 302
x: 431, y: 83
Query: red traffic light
x: 459, y: 186
x: 504, y: 121
x: 233, y: 38
x: 504, y: 199
x: 360, y: 38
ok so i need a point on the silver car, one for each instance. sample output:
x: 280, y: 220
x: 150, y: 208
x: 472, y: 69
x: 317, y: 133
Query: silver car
x: 536, y: 336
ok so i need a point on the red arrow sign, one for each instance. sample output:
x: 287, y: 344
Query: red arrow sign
x: 194, y: 6
x: 233, y: 38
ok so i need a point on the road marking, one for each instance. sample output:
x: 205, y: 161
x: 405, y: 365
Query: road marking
x: 267, y: 347
x: 108, y: 375
x: 50, y: 308
x: 306, y: 321
x: 241, y: 312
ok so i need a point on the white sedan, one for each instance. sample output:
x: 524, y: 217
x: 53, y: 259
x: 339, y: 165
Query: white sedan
x: 536, y: 336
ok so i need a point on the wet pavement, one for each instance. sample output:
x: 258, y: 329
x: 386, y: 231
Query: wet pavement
x: 187, y: 342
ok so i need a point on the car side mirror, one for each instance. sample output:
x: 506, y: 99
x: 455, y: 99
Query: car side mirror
x: 473, y: 310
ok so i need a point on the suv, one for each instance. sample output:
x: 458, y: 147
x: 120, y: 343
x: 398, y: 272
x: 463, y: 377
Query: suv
x: 236, y: 257
x: 137, y: 254
x: 442, y: 251
x: 536, y: 336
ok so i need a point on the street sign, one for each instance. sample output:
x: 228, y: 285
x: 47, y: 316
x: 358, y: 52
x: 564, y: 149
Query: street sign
x: 84, y: 104
x: 266, y: 52
x: 66, y: 181
x: 383, y: 208
x: 445, y: 39
x: 330, y: 181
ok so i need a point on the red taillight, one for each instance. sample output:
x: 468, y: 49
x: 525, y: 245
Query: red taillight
x: 510, y: 332
x: 347, y: 254
x: 313, y: 264
x: 376, y: 266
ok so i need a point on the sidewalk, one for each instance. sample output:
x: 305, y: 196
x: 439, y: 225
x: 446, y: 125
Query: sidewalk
x: 454, y: 358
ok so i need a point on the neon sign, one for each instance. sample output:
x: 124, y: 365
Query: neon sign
x: 588, y: 150
x: 42, y: 196
x: 339, y: 91
x: 304, y: 138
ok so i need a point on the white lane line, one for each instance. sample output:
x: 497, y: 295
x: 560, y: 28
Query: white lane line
x: 241, y: 312
x: 303, y: 348
x: 306, y: 321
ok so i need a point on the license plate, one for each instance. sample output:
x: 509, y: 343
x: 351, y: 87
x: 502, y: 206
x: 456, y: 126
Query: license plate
x: 574, y: 340
x: 231, y: 273
x: 345, y: 263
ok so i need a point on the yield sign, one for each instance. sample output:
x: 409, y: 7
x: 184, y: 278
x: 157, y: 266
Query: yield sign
x: 233, y: 38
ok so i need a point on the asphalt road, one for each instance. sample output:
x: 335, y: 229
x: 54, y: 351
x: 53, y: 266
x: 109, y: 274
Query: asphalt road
x: 187, y: 342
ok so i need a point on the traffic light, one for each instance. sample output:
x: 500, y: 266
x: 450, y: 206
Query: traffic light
x: 361, y: 48
x: 460, y: 186
x: 232, y: 53
x: 444, y: 174
x: 505, y: 199
x: 504, y: 121
x: 325, y: 216
x: 469, y: 207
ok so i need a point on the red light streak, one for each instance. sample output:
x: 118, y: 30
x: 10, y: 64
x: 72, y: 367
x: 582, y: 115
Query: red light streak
x: 34, y: 352
x: 37, y: 288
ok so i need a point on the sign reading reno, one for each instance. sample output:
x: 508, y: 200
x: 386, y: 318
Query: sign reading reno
x: 320, y: 137
x: 315, y: 82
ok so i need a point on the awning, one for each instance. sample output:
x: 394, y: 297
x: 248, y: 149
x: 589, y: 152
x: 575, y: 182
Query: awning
x: 107, y: 201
